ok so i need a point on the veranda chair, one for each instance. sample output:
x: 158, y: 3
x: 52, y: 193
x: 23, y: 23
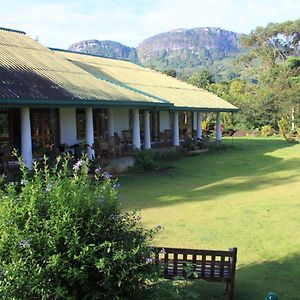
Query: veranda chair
x: 6, y: 157
x: 127, y: 134
x: 168, y: 136
x: 102, y: 148
x: 115, y: 146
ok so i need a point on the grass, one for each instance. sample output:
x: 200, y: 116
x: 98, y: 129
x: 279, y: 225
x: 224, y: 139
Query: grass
x: 246, y: 196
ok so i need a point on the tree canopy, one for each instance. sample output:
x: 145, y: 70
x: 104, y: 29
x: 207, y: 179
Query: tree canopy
x: 267, y: 85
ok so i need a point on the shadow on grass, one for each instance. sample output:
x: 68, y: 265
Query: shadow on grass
x: 252, y: 282
x: 255, y: 280
x: 248, y: 166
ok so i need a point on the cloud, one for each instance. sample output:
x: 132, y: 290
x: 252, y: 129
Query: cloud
x: 61, y: 23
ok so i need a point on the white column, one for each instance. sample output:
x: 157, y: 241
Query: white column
x: 195, y: 123
x: 110, y: 122
x: 218, y: 128
x: 147, y: 130
x: 199, y: 125
x: 136, y: 134
x: 89, y: 132
x: 26, y: 143
x: 176, y: 129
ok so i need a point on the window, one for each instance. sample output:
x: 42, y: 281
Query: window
x: 80, y: 124
x: 5, y: 128
x: 44, y: 128
x: 100, y: 123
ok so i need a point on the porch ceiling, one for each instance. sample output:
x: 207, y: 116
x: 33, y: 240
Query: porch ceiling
x: 32, y: 74
x: 181, y: 94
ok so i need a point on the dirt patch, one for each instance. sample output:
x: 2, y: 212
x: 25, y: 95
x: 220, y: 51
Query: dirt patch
x: 240, y: 133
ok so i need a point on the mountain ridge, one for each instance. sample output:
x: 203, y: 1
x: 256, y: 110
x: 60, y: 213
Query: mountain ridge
x: 182, y: 49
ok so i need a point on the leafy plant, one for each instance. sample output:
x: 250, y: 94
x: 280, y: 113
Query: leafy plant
x: 266, y: 130
x: 283, y: 125
x: 63, y: 236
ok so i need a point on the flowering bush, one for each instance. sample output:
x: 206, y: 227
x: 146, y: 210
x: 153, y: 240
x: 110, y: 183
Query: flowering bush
x: 63, y: 236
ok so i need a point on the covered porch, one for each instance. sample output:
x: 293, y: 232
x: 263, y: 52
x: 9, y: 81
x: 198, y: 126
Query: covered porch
x: 100, y: 132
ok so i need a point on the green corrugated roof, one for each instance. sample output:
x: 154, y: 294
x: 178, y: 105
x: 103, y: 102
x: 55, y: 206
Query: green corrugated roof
x: 150, y: 82
x: 30, y: 72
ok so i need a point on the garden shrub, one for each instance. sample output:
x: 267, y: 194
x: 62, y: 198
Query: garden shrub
x: 188, y: 143
x: 266, y: 130
x: 145, y: 160
x: 196, y: 144
x: 169, y: 155
x: 63, y: 236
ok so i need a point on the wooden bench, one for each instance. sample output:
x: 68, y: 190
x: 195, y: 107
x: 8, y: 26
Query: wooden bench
x: 208, y: 265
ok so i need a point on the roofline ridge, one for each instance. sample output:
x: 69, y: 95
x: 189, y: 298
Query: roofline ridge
x: 12, y: 30
x: 88, y: 54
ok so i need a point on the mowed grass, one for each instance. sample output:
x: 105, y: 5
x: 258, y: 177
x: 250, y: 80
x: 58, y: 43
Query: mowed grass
x: 247, y: 196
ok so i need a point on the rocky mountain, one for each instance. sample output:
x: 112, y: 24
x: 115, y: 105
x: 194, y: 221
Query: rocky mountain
x: 185, y: 50
x: 189, y: 47
x: 106, y: 48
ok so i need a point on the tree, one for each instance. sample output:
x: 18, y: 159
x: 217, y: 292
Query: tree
x: 170, y: 72
x: 273, y: 44
x: 272, y: 61
x: 201, y: 79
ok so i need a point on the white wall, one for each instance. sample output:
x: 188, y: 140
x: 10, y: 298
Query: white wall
x: 68, y: 132
x: 121, y: 120
x: 164, y: 121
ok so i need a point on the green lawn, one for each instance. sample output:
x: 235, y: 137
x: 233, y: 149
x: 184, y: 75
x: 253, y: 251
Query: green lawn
x: 246, y: 196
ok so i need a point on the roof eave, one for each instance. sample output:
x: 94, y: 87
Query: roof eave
x: 17, y: 102
x: 206, y: 109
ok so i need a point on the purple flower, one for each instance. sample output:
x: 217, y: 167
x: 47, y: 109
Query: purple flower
x: 23, y: 181
x: 149, y: 260
x: 116, y: 185
x: 102, y: 199
x: 106, y: 175
x: 25, y: 243
x: 78, y: 164
x: 115, y: 217
x: 49, y: 187
x: 98, y: 171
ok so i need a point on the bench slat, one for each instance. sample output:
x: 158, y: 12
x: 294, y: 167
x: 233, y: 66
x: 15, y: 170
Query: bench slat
x: 197, y: 251
x: 212, y: 268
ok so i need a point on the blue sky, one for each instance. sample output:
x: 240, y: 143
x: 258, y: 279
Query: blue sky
x: 59, y: 23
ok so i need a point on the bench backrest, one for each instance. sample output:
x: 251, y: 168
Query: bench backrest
x: 212, y: 265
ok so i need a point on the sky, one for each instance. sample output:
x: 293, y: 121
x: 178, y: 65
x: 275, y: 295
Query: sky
x: 60, y: 23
